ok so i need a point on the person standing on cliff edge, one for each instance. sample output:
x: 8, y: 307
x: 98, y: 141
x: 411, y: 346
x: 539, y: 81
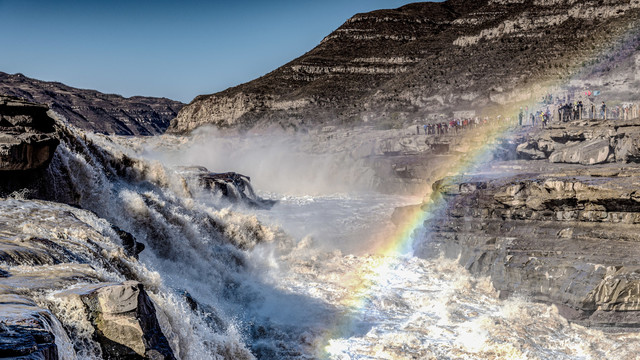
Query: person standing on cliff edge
x: 603, y: 111
x: 520, y: 116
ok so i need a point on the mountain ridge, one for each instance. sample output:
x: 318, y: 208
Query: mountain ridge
x: 93, y: 110
x: 427, y: 59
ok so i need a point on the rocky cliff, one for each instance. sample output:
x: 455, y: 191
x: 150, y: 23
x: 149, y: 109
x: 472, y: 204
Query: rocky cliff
x: 27, y: 136
x: 558, y: 224
x: 425, y: 59
x: 93, y: 110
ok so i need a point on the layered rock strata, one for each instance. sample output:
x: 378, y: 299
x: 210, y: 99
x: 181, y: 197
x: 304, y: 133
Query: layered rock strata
x: 27, y: 135
x: 93, y: 110
x: 563, y: 230
x: 427, y: 59
x: 26, y: 330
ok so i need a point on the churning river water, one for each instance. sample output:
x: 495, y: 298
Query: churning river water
x: 306, y: 278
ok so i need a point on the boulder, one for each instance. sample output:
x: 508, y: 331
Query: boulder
x: 125, y: 321
x: 530, y: 151
x: 27, y: 135
x: 589, y: 152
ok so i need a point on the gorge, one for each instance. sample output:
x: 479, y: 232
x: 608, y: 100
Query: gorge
x: 311, y: 214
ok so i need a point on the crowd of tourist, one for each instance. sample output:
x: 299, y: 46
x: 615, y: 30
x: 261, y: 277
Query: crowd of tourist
x: 544, y: 113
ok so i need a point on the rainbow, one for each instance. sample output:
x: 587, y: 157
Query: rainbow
x: 479, y: 152
x: 400, y: 243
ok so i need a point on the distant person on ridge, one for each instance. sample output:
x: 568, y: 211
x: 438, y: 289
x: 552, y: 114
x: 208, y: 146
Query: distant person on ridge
x: 579, y: 110
x: 520, y: 116
x: 603, y: 111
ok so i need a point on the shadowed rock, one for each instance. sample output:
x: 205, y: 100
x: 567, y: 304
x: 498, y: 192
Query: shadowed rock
x: 231, y: 185
x: 25, y: 330
x: 27, y: 135
x: 95, y: 111
x: 129, y: 243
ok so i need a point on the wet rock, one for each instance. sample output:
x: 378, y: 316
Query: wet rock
x: 72, y: 250
x: 208, y: 313
x: 231, y: 185
x: 25, y: 330
x: 129, y: 243
x: 125, y: 321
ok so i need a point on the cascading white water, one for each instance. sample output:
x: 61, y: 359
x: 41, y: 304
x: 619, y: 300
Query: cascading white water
x: 274, y: 282
x: 195, y: 246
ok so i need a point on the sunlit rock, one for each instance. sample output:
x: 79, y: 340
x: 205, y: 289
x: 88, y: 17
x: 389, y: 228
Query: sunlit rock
x: 125, y: 321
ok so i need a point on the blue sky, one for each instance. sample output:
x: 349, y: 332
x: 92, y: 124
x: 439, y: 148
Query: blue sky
x: 175, y: 49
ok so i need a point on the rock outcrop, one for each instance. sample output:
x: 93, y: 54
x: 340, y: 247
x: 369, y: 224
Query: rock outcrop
x: 233, y: 186
x: 27, y: 135
x: 125, y: 321
x: 62, y: 266
x: 562, y: 230
x: 584, y: 142
x: 427, y: 59
x: 93, y: 110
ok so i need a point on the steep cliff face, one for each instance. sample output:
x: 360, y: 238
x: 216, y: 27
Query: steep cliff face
x: 431, y: 58
x: 95, y: 111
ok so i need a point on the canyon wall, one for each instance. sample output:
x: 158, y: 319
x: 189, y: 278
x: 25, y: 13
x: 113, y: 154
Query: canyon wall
x: 425, y: 59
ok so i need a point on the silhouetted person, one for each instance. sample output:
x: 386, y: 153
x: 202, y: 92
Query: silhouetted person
x: 579, y: 106
x: 520, y: 116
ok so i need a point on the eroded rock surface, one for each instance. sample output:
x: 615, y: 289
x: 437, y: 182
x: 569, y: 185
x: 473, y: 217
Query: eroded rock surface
x: 26, y: 330
x: 426, y: 59
x: 27, y: 136
x: 93, y: 110
x: 63, y: 265
x: 125, y: 321
x: 584, y: 142
x: 562, y: 233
